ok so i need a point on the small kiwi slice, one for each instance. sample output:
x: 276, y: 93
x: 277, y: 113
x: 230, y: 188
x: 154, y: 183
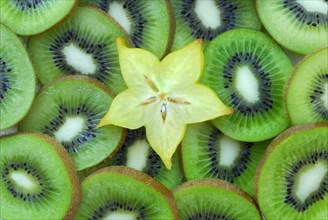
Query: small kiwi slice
x: 214, y: 199
x: 207, y: 153
x: 199, y: 19
x: 84, y: 44
x: 248, y: 71
x: 299, y: 25
x: 292, y: 178
x: 150, y: 24
x: 29, y: 17
x: 124, y: 193
x: 137, y: 153
x: 69, y: 110
x: 17, y: 79
x: 37, y: 179
x: 310, y: 103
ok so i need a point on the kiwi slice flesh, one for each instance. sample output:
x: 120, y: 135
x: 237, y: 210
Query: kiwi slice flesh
x: 124, y: 193
x: 248, y: 71
x: 198, y: 19
x: 149, y: 24
x: 299, y: 25
x: 69, y: 110
x: 29, y: 17
x: 84, y: 44
x: 310, y: 103
x: 17, y: 79
x: 137, y: 154
x: 207, y: 153
x: 37, y: 179
x: 292, y: 178
x: 213, y: 199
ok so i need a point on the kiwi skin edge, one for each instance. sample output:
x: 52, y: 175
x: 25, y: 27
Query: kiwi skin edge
x: 144, y: 178
x: 74, y: 179
x: 276, y: 142
x: 172, y: 28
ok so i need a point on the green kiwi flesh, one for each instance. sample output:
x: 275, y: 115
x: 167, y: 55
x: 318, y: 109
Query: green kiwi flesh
x: 207, y: 153
x: 248, y: 71
x: 198, y: 19
x: 137, y: 154
x: 307, y: 89
x: 33, y: 17
x: 213, y: 199
x: 150, y: 24
x: 83, y: 44
x: 125, y: 193
x: 300, y: 26
x: 69, y: 110
x: 293, y: 174
x: 17, y: 79
x: 37, y: 179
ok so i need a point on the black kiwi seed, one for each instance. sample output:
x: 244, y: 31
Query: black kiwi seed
x: 4, y: 79
x: 319, y: 194
x: 316, y: 95
x: 29, y: 4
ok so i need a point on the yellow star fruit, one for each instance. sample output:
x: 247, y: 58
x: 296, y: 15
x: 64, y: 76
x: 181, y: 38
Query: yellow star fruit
x: 164, y: 96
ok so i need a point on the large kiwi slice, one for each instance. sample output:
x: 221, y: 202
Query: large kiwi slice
x: 150, y: 24
x: 84, y: 44
x: 292, y: 179
x: 70, y: 110
x: 17, y: 79
x: 307, y: 89
x: 37, y: 179
x: 207, y: 153
x: 137, y: 153
x: 248, y: 71
x: 298, y: 25
x: 124, y: 193
x: 28, y: 17
x: 199, y: 19
x: 213, y: 199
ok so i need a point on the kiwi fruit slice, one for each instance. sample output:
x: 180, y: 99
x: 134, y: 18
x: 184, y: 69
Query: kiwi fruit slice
x: 29, y: 17
x: 213, y: 199
x: 292, y: 178
x: 310, y: 103
x: 207, y: 153
x: 124, y: 193
x: 299, y: 25
x: 17, y: 79
x: 84, y: 44
x: 69, y: 110
x: 248, y: 71
x: 137, y: 154
x: 149, y: 24
x: 37, y: 179
x: 199, y: 19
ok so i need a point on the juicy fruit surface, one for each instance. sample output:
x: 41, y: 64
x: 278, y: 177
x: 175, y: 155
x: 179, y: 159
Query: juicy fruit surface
x: 70, y: 109
x: 248, y: 71
x: 33, y: 17
x: 17, y: 79
x: 206, y: 19
x: 37, y: 181
x: 294, y: 174
x: 213, y: 199
x: 146, y: 22
x: 84, y: 44
x: 310, y: 103
x: 207, y: 153
x: 300, y: 26
x: 121, y: 192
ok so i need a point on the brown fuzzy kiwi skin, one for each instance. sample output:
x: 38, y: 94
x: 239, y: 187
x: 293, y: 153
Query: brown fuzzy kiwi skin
x: 293, y: 74
x: 280, y: 138
x: 172, y: 28
x: 74, y: 179
x: 143, y: 178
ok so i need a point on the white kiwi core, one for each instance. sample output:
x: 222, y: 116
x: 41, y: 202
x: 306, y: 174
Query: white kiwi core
x: 117, y: 11
x: 314, y: 5
x: 137, y: 155
x: 229, y: 150
x: 121, y: 215
x: 23, y: 180
x: 79, y: 59
x: 70, y: 129
x: 247, y: 84
x: 208, y: 13
x: 324, y: 97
